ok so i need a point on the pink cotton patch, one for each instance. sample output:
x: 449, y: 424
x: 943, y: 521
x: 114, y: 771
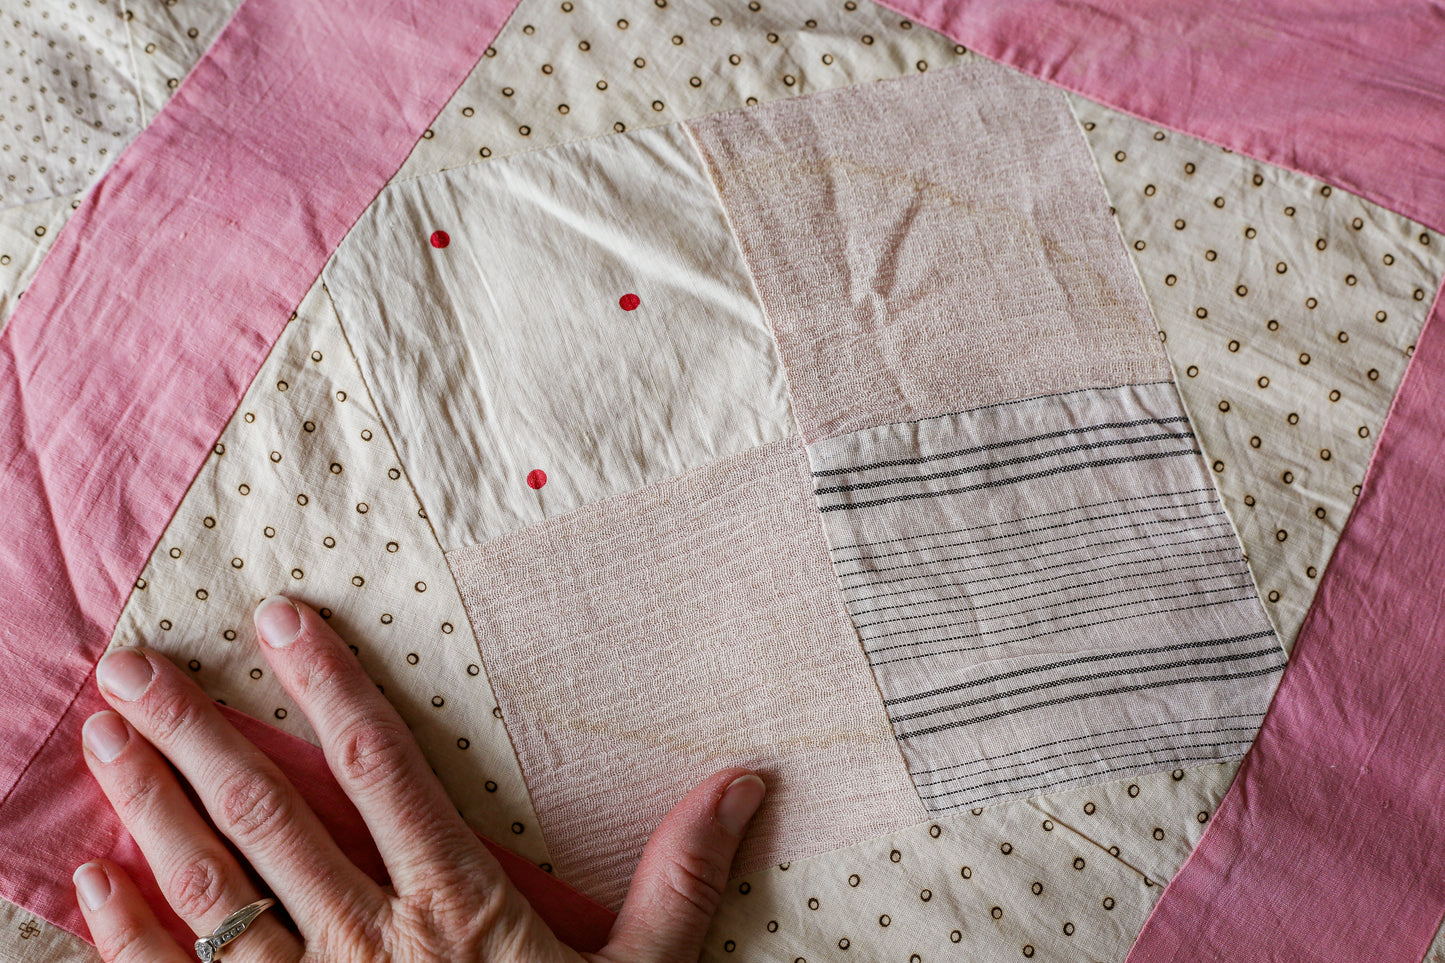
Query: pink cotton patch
x: 536, y: 478
x: 440, y: 239
x: 629, y: 302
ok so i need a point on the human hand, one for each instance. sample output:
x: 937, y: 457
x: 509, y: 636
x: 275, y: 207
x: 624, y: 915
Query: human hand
x: 448, y: 898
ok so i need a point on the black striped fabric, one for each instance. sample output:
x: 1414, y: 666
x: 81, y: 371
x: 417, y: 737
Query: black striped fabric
x: 1049, y: 592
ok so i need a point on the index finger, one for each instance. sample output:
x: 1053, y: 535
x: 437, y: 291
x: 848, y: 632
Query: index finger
x: 248, y: 797
x: 421, y: 837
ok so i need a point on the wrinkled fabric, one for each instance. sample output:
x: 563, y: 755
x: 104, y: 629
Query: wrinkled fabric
x: 26, y: 233
x: 558, y: 74
x: 133, y: 343
x: 928, y: 245
x: 1337, y: 810
x: 72, y: 103
x: 993, y: 884
x: 587, y: 316
x: 809, y: 907
x: 303, y: 494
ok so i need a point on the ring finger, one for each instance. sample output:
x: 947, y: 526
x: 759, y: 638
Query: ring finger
x: 246, y: 795
x: 198, y: 875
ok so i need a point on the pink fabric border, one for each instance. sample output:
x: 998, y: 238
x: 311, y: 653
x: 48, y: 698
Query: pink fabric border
x: 137, y: 339
x: 1330, y: 843
x: 1350, y: 93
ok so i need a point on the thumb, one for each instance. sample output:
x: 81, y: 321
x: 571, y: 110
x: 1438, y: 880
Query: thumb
x: 679, y: 881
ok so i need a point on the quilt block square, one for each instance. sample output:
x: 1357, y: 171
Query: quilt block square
x: 646, y: 641
x: 544, y: 330
x: 1049, y: 592
x: 930, y: 244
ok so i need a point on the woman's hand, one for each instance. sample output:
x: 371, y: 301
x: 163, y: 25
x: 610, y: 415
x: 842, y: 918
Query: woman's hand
x: 448, y: 900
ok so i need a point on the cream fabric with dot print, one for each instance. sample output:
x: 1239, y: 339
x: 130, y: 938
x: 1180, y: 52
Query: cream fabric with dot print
x: 26, y: 233
x: 987, y: 885
x: 1150, y: 823
x: 569, y: 70
x: 303, y: 494
x: 1290, y: 309
x: 1072, y: 875
x: 72, y: 103
x: 167, y: 38
x: 696, y: 58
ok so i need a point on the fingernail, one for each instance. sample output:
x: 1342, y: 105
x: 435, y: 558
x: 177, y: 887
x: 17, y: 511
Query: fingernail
x: 125, y: 674
x: 278, y: 621
x: 740, y: 801
x: 93, y: 885
x: 105, y: 735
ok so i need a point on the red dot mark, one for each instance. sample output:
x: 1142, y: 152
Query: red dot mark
x: 629, y: 302
x: 440, y: 239
x: 536, y: 478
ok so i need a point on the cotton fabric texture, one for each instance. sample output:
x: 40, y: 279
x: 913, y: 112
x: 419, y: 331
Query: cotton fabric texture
x: 166, y: 41
x: 1290, y: 310
x: 1330, y: 841
x: 870, y: 257
x: 1048, y: 591
x: 560, y: 72
x: 649, y: 639
x: 557, y: 74
x: 1067, y: 875
x: 99, y: 449
x: 461, y: 735
x: 1276, y: 102
x: 30, y: 939
x: 589, y: 317
x: 303, y: 493
x: 72, y: 101
x: 1350, y: 95
x: 26, y: 233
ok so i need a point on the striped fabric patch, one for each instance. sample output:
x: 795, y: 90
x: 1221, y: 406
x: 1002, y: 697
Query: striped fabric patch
x: 1049, y: 592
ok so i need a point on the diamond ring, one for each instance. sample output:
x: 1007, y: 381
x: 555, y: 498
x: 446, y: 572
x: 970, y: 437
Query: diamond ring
x: 230, y: 928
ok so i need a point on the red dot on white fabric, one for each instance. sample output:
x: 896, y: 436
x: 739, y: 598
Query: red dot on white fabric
x: 536, y: 478
x: 629, y: 302
x: 440, y: 239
